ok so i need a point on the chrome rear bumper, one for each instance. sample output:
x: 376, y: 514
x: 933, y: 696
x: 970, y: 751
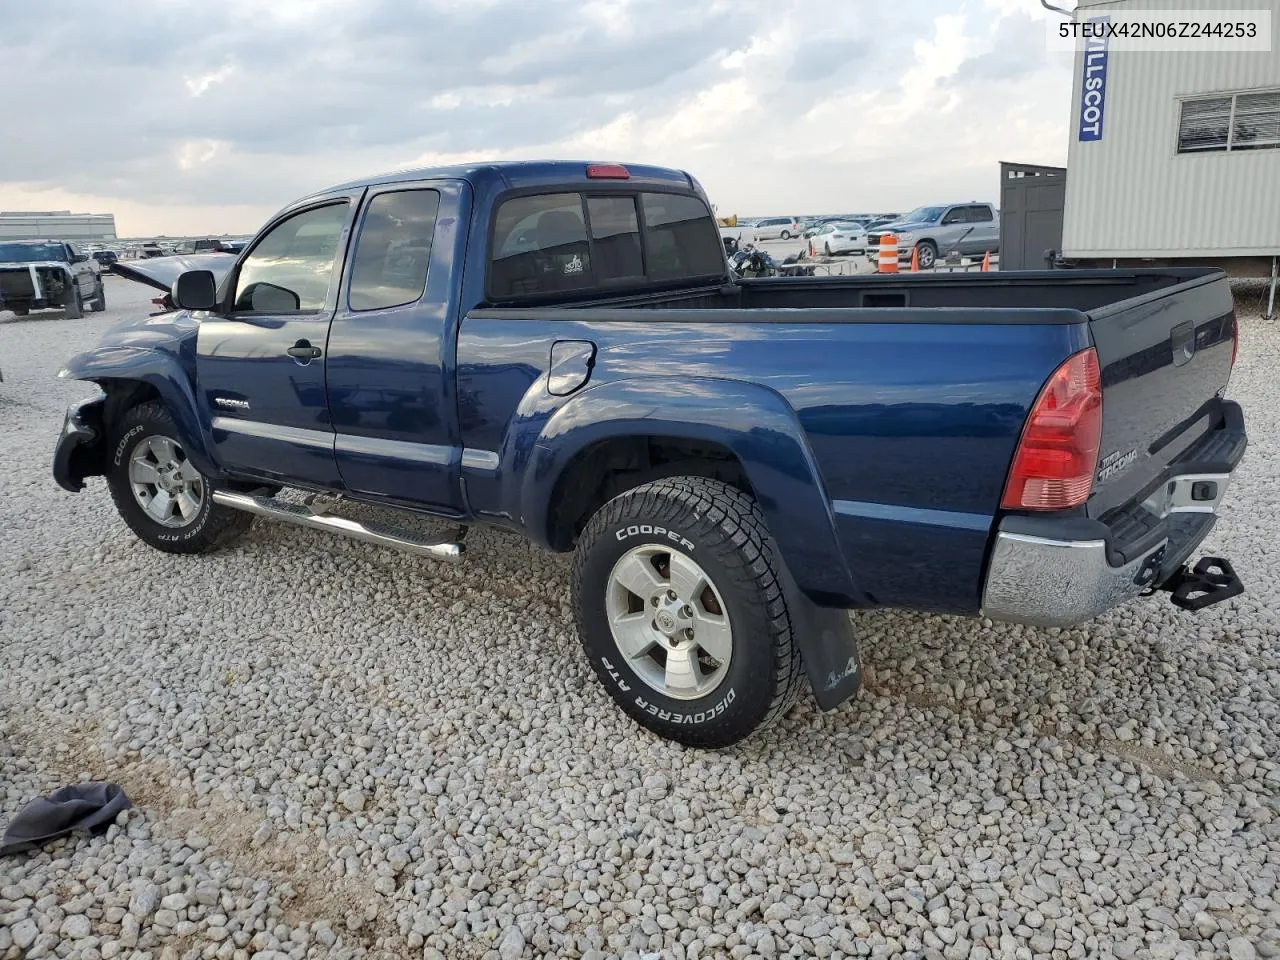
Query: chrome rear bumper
x: 1050, y: 582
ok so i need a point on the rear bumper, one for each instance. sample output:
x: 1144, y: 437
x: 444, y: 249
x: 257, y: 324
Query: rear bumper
x: 1056, y: 572
x: 79, y: 450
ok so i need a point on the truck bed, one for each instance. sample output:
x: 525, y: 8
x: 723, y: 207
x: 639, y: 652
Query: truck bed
x: 1082, y: 290
x: 912, y: 391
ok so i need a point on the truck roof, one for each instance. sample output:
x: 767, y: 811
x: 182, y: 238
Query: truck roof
x: 512, y: 174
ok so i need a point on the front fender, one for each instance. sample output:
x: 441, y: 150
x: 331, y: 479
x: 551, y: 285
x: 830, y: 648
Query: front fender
x: 157, y: 369
x: 752, y: 421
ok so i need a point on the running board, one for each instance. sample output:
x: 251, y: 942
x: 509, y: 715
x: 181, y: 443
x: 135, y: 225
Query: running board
x: 449, y: 551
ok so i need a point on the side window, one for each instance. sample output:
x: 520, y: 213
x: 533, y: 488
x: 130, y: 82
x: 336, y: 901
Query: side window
x: 980, y: 213
x: 615, y: 235
x: 954, y: 215
x: 290, y: 268
x: 540, y: 246
x: 680, y: 237
x: 389, y: 267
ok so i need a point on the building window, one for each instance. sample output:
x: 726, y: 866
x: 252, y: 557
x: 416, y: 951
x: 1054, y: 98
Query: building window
x: 1239, y: 121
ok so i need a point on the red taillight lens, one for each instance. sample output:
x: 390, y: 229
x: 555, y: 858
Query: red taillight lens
x: 608, y: 171
x: 1056, y: 458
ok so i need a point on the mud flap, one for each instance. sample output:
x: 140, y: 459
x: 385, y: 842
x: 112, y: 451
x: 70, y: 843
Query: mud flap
x: 826, y: 641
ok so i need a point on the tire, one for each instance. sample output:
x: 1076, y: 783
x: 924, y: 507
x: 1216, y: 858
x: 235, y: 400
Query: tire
x: 701, y: 527
x: 926, y: 254
x: 21, y: 311
x: 786, y: 234
x: 99, y: 303
x: 207, y: 527
x: 827, y: 248
x: 74, y: 305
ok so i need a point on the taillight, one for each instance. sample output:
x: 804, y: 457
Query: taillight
x: 1056, y: 458
x: 1235, y: 338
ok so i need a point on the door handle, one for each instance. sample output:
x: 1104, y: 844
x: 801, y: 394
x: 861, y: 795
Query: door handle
x: 304, y: 351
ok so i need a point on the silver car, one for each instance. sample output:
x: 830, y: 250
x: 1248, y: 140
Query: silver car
x: 971, y: 228
x: 776, y: 228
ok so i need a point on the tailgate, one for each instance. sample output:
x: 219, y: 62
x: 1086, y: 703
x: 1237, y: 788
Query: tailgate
x: 1165, y: 359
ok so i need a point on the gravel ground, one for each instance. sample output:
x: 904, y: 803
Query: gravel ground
x: 340, y: 751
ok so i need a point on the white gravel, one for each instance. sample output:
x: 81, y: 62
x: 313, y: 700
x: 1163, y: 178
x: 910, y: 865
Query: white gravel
x: 341, y: 751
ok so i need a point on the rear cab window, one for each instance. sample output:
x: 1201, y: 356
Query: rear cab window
x: 575, y: 241
x: 393, y: 250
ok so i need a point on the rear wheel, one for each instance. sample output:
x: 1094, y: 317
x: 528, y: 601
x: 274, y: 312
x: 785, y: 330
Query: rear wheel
x: 73, y: 304
x: 160, y: 493
x: 680, y: 610
x: 786, y: 234
x: 827, y: 248
x: 20, y: 311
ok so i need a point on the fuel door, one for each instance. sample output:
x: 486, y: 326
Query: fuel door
x: 570, y: 369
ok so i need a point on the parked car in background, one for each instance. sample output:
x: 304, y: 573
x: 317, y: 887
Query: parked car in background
x: 971, y: 228
x: 39, y: 274
x: 526, y: 345
x: 211, y: 245
x: 834, y: 239
x: 776, y: 228
x: 815, y: 224
x: 106, y: 258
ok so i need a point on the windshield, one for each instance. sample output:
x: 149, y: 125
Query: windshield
x: 27, y: 252
x: 923, y: 215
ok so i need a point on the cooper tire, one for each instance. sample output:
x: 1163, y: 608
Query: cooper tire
x: 722, y: 531
x: 210, y: 525
x: 74, y: 305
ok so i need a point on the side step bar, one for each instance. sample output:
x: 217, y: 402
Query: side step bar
x: 450, y: 551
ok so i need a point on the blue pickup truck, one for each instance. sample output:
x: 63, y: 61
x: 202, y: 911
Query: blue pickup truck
x: 559, y: 349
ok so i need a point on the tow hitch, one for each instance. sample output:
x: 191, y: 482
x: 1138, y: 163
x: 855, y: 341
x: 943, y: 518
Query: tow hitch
x: 1210, y: 581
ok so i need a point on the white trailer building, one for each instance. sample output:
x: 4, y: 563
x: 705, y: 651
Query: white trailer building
x: 1175, y: 154
x: 57, y: 225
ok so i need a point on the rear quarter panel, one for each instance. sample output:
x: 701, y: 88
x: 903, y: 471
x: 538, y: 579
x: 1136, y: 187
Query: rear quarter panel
x: 911, y: 426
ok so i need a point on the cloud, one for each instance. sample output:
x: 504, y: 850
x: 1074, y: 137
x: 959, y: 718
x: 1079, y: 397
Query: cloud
x: 186, y: 116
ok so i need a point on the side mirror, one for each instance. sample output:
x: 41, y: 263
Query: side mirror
x: 264, y: 297
x: 195, y: 290
x: 79, y: 257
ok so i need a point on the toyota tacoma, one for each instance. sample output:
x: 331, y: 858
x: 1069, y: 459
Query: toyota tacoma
x: 559, y: 349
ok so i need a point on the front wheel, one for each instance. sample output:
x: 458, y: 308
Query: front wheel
x: 680, y: 610
x: 926, y: 254
x: 99, y: 302
x: 21, y: 311
x: 160, y: 493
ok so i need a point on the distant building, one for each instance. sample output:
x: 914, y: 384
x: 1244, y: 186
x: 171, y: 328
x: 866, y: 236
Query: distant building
x: 57, y: 225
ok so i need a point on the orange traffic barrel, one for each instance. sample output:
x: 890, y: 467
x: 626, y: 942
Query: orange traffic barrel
x: 889, y: 253
x: 986, y: 261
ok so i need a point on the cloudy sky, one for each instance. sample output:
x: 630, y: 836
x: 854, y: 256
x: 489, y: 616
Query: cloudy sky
x: 193, y: 116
